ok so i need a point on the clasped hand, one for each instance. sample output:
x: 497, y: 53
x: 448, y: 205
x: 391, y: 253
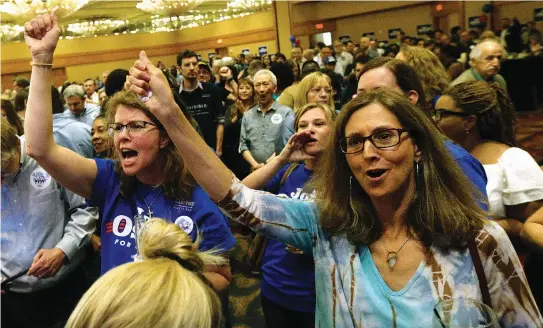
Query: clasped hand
x: 144, y: 77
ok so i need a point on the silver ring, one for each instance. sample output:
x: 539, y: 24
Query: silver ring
x: 149, y: 95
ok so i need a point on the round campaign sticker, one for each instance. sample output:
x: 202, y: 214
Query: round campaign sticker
x: 39, y: 179
x: 185, y: 223
x: 276, y: 118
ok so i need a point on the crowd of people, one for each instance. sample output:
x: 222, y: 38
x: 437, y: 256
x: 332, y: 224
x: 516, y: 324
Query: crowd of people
x: 379, y: 181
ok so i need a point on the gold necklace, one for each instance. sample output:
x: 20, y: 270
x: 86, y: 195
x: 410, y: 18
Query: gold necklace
x: 149, y: 212
x: 392, y: 256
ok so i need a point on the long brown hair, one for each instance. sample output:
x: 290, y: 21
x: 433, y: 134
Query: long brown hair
x: 490, y: 103
x: 178, y: 182
x: 443, y: 211
x: 12, y: 117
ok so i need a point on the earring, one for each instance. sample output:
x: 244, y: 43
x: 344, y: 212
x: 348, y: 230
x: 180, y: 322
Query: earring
x: 417, y: 168
x: 467, y: 131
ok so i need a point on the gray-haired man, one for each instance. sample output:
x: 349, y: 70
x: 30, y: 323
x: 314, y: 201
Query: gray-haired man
x: 485, y: 61
x: 260, y: 124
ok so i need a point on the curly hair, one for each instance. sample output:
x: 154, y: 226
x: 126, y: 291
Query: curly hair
x: 491, y: 105
x: 431, y: 72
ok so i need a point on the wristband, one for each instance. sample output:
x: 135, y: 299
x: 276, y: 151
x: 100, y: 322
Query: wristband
x: 32, y: 63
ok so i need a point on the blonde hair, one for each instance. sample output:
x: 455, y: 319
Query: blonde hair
x: 166, y: 289
x: 328, y: 112
x: 10, y: 142
x: 430, y: 70
x: 307, y: 83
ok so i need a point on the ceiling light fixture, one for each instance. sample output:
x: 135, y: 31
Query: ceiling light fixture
x: 24, y: 10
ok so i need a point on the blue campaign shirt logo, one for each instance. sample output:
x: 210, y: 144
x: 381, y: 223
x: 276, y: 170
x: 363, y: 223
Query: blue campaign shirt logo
x: 184, y: 222
x: 195, y: 214
x: 40, y: 179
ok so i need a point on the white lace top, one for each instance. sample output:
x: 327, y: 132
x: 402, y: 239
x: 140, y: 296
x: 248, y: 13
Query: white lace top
x: 514, y: 179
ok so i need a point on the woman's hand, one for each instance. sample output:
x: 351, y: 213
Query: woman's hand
x: 294, y: 149
x: 225, y: 73
x: 41, y: 36
x: 145, y: 79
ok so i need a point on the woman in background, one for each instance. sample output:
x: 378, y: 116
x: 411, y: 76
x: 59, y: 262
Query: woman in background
x: 232, y: 128
x: 151, y: 292
x: 288, y: 274
x: 433, y: 76
x: 480, y: 117
x: 8, y: 111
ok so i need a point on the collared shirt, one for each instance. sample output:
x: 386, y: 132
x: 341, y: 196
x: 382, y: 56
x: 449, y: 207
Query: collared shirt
x: 73, y: 135
x: 198, y: 86
x: 319, y: 61
x: 473, y: 75
x: 37, y: 213
x: 87, y: 116
x: 343, y: 60
x: 95, y: 98
x: 259, y: 130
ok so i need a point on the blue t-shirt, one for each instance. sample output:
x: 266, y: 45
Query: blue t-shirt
x: 288, y: 279
x: 472, y: 168
x: 195, y: 215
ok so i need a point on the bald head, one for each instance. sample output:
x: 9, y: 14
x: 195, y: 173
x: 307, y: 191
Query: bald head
x: 364, y: 42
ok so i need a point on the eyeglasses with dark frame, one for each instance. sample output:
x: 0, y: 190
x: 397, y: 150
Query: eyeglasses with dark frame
x: 133, y: 127
x: 381, y: 139
x: 438, y: 114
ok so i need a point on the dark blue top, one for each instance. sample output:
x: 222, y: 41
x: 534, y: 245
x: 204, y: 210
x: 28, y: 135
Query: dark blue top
x: 472, y: 168
x: 288, y: 279
x: 195, y: 215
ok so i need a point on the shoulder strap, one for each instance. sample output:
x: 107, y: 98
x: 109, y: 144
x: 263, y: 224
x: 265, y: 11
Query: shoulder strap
x: 289, y: 170
x: 483, y: 285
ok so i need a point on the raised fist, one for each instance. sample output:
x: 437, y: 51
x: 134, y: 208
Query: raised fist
x: 41, y: 35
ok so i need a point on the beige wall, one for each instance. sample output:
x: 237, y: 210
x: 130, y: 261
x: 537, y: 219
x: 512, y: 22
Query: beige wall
x: 259, y: 21
x: 271, y: 44
x: 320, y: 10
x: 379, y: 23
x: 524, y: 11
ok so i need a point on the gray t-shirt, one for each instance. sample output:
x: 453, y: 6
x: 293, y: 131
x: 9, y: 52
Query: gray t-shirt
x: 259, y: 130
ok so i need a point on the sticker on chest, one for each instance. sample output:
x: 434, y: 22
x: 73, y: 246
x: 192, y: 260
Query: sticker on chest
x: 185, y: 223
x: 40, y: 179
x: 276, y: 118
